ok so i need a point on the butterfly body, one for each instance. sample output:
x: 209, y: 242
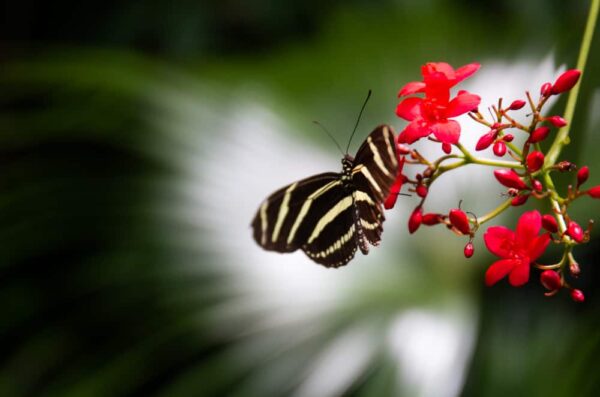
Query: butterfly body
x: 330, y: 215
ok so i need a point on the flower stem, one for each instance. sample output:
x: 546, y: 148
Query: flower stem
x: 495, y: 212
x: 562, y: 138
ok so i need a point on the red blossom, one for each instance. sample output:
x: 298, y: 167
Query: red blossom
x: 516, y: 105
x: 582, y: 175
x: 431, y: 219
x: 577, y: 295
x: 459, y: 220
x: 594, y: 192
x: 499, y: 148
x: 486, y: 140
x: 509, y: 178
x: 469, y: 250
x: 565, y: 81
x: 546, y: 89
x: 516, y: 249
x: 549, y: 223
x: 519, y: 200
x: 421, y: 191
x: 575, y: 231
x: 415, y: 220
x: 431, y: 114
x: 550, y: 280
x: 539, y: 134
x: 535, y: 161
x: 557, y: 121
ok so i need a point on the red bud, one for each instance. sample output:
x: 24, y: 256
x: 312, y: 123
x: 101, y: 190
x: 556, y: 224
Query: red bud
x: 459, y: 220
x: 539, y: 134
x: 550, y: 280
x: 546, y: 89
x: 535, y: 161
x: 577, y: 295
x: 431, y: 219
x: 499, y: 148
x: 575, y: 231
x: 519, y: 200
x: 582, y: 175
x: 486, y: 140
x: 516, y: 105
x: 537, y: 185
x: 447, y: 148
x: 508, y: 138
x: 421, y: 190
x: 557, y: 121
x: 574, y: 269
x: 565, y: 81
x: 415, y: 220
x: 565, y: 166
x: 594, y: 192
x: 549, y: 223
x: 469, y: 250
x: 509, y: 178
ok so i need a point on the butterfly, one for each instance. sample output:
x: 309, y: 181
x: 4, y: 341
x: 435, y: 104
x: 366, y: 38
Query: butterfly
x: 329, y: 215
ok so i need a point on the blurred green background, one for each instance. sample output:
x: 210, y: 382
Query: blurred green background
x: 137, y: 140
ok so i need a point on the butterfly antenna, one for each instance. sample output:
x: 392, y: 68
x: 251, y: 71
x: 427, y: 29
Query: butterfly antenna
x: 358, y: 120
x: 328, y: 134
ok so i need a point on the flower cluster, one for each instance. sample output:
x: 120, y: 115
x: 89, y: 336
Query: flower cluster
x: 527, y: 174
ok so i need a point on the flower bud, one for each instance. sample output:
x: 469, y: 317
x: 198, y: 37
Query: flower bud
x: 516, y: 105
x: 509, y: 178
x: 537, y: 185
x: 594, y: 192
x: 546, y: 89
x: 421, y: 190
x: 582, y: 175
x: 486, y: 140
x: 459, y: 220
x: 469, y: 250
x: 519, y: 200
x: 415, y: 220
x: 550, y: 280
x: 539, y: 134
x: 565, y: 166
x: 446, y: 147
x: 508, y: 138
x: 574, y: 269
x: 577, y: 295
x: 430, y: 219
x: 557, y: 121
x: 535, y: 161
x: 549, y: 223
x: 565, y: 81
x: 575, y: 231
x: 499, y: 148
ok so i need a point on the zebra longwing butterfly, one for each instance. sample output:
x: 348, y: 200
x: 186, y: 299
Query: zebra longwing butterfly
x: 329, y: 215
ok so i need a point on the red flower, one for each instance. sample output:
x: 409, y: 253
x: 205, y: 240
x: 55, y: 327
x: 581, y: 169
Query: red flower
x: 565, y: 81
x: 516, y: 249
x: 430, y: 115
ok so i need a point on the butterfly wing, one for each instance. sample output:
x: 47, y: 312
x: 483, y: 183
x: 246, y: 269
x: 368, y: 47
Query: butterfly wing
x: 286, y: 219
x: 374, y: 172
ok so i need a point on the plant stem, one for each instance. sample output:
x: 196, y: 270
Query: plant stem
x: 495, y: 212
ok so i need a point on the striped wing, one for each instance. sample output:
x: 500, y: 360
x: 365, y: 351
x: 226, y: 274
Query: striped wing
x: 286, y: 219
x: 376, y: 163
x: 374, y: 172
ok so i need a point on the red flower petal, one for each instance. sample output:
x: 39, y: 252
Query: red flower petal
x: 528, y: 227
x: 466, y: 71
x: 432, y: 68
x: 462, y: 104
x: 417, y: 129
x: 413, y: 87
x: 519, y: 274
x: 537, y: 247
x: 446, y: 132
x: 499, y: 240
x: 498, y: 270
x: 409, y: 108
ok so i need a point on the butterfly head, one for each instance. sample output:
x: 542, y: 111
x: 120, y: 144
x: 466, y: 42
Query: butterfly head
x: 347, y: 164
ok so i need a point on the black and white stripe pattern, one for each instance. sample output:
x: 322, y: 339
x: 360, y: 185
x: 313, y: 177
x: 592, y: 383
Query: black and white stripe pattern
x: 329, y: 215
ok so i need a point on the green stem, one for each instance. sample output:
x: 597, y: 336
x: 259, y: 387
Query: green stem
x: 495, y: 212
x: 562, y: 138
